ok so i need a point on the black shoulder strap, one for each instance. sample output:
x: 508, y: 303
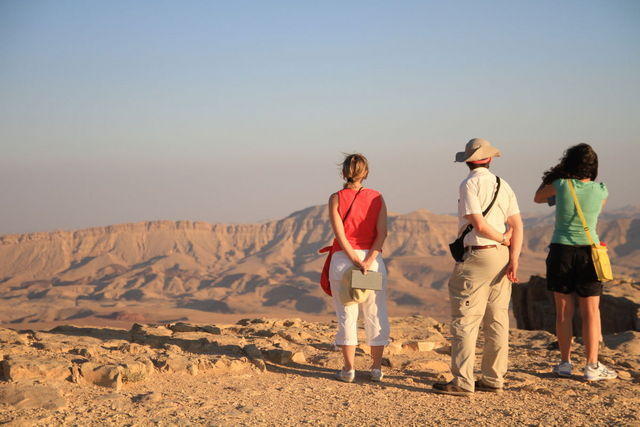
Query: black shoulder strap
x: 469, y: 227
x: 495, y: 196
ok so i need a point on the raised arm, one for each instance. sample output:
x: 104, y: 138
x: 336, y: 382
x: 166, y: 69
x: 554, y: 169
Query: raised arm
x: 381, y: 230
x: 544, y: 192
x: 515, y: 224
x: 338, y: 230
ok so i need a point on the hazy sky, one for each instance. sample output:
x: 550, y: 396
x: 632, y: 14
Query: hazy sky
x: 114, y: 111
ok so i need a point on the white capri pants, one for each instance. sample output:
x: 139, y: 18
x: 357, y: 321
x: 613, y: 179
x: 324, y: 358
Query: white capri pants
x: 374, y: 308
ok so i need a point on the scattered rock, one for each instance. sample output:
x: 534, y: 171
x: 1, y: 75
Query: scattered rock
x: 327, y: 360
x: 246, y: 322
x: 624, y: 375
x: 418, y: 346
x: 172, y: 348
x: 292, y: 322
x: 394, y: 362
x: 89, y: 353
x: 224, y: 364
x: 444, y: 377
x: 444, y: 350
x: 132, y: 348
x: 53, y: 347
x: 182, y: 327
x: 394, y: 348
x: 210, y: 329
x: 76, y: 376
x: 192, y: 369
x: 299, y: 357
x: 434, y: 366
x: 279, y: 356
x: 150, y: 397
x: 295, y: 336
x: 538, y: 389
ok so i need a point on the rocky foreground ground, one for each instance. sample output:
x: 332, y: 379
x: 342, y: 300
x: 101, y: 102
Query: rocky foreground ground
x: 269, y: 371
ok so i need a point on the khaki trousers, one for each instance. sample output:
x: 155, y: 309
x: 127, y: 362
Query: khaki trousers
x: 480, y: 291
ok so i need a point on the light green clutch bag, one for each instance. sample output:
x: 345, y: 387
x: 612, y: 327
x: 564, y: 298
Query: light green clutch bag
x: 372, y: 280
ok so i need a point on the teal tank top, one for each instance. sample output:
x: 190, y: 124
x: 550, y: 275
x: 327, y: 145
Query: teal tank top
x: 568, y: 229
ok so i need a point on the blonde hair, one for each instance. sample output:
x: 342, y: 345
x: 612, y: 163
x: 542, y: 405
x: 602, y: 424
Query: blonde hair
x: 355, y: 167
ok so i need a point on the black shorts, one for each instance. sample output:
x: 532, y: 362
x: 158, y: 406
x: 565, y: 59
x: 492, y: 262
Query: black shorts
x: 570, y: 269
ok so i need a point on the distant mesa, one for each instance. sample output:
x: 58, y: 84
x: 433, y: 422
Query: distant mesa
x: 149, y: 271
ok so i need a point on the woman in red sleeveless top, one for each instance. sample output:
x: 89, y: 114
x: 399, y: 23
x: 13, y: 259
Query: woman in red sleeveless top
x: 358, y: 241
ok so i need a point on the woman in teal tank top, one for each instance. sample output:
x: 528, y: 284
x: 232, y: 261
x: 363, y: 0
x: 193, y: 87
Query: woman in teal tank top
x: 570, y: 270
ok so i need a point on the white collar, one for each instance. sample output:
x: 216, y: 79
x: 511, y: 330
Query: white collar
x: 479, y: 171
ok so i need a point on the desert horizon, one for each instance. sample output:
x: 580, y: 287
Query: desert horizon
x: 164, y: 271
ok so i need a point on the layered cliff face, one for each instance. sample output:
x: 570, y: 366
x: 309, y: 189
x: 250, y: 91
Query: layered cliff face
x: 165, y: 269
x: 534, y: 308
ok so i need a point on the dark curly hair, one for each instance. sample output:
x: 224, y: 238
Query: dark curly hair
x: 578, y: 162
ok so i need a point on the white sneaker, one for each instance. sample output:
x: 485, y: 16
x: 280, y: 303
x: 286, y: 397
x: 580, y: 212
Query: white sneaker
x: 563, y: 369
x: 346, y: 376
x: 376, y: 375
x: 597, y: 372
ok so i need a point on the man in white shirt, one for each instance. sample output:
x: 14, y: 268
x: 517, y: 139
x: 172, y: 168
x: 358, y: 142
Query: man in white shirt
x: 480, y: 286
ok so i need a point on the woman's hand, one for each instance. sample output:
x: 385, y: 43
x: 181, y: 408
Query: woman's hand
x: 512, y: 271
x: 366, y: 264
x: 356, y: 261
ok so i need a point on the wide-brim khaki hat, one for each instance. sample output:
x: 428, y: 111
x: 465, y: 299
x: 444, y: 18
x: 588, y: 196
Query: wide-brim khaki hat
x: 477, y: 149
x: 347, y: 294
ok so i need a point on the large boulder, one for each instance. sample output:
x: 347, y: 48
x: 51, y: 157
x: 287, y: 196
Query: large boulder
x: 534, y: 309
x: 106, y: 375
x: 255, y: 356
x: 533, y: 305
x: 152, y: 335
x: 29, y: 367
x: 31, y: 396
x: 9, y: 336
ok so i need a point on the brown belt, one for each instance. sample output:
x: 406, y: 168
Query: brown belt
x: 482, y: 247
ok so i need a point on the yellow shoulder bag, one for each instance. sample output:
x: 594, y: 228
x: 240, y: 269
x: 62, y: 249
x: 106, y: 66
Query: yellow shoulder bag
x: 599, y: 253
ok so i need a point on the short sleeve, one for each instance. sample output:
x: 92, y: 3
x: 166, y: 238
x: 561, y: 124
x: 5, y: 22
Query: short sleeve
x: 469, y: 201
x: 557, y: 184
x: 605, y: 191
x: 513, y: 208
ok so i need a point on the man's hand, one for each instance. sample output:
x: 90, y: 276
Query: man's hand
x: 512, y: 271
x: 507, y: 237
